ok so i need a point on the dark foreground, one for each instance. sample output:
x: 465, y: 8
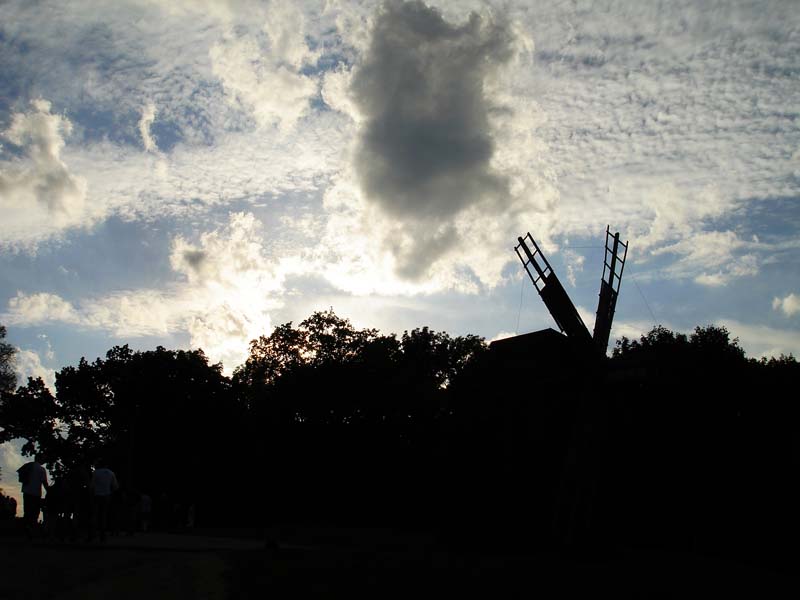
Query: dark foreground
x: 327, y: 562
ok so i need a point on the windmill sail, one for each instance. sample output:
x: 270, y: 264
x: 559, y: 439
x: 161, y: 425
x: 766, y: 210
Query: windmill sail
x: 609, y: 289
x: 551, y: 291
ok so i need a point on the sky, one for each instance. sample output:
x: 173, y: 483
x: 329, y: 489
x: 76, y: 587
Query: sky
x: 193, y: 173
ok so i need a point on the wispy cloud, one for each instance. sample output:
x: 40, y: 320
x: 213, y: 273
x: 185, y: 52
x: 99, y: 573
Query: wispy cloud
x: 712, y: 258
x: 145, y: 123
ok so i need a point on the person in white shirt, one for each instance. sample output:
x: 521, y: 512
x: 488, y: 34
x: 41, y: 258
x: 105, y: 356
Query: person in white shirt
x: 103, y: 484
x: 33, y: 477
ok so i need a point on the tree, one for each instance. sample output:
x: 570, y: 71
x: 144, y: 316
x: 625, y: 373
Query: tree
x: 142, y: 408
x: 333, y: 340
x: 710, y: 343
x: 658, y: 342
x: 331, y: 372
x: 273, y: 355
x: 8, y: 378
x: 31, y: 414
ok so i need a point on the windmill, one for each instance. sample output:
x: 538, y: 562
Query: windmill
x: 584, y: 453
x: 557, y: 300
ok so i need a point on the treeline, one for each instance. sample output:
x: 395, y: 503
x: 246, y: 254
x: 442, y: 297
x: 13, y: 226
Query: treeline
x: 676, y: 440
x: 318, y: 410
x: 703, y: 444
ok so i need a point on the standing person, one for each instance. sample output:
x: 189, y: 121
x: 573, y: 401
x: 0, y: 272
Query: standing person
x: 103, y: 484
x: 145, y: 511
x: 33, y: 477
x: 78, y: 499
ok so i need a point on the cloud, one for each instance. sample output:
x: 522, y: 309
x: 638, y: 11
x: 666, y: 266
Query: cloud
x: 222, y: 256
x: 574, y: 262
x: 137, y: 313
x: 11, y: 459
x: 335, y: 92
x: 788, y: 305
x: 616, y: 117
x: 465, y: 171
x: 226, y: 289
x: 646, y: 117
x: 711, y: 258
x: 28, y: 363
x: 224, y: 332
x: 237, y: 283
x: 501, y: 335
x: 426, y: 147
x: 640, y: 132
x: 425, y: 150
x: 757, y: 340
x: 761, y: 340
x: 262, y: 71
x: 241, y: 167
x: 108, y: 67
x: 42, y: 307
x: 37, y: 191
x: 148, y: 116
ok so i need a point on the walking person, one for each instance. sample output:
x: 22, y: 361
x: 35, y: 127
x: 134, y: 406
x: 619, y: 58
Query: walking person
x: 33, y: 477
x: 103, y: 484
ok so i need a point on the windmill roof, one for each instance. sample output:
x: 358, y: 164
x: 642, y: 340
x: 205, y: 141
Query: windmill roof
x: 546, y: 348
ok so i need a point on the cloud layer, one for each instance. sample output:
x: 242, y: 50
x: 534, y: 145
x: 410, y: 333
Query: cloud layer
x: 394, y: 149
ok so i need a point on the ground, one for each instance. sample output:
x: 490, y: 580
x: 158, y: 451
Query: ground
x: 333, y: 562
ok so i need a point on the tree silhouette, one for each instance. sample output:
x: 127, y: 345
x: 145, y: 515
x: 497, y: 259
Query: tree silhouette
x: 709, y: 435
x: 326, y: 422
x: 30, y: 414
x: 8, y: 377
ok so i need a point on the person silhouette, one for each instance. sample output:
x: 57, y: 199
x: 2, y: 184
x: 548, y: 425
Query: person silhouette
x: 78, y: 499
x: 33, y: 477
x: 103, y: 484
x: 145, y: 511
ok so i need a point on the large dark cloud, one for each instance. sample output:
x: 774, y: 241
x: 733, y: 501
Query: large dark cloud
x: 425, y: 148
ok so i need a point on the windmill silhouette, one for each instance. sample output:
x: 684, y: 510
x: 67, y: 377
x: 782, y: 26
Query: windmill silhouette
x: 557, y: 300
x: 585, y: 451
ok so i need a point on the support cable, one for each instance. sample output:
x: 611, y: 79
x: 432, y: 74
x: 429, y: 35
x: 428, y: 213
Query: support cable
x: 655, y: 321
